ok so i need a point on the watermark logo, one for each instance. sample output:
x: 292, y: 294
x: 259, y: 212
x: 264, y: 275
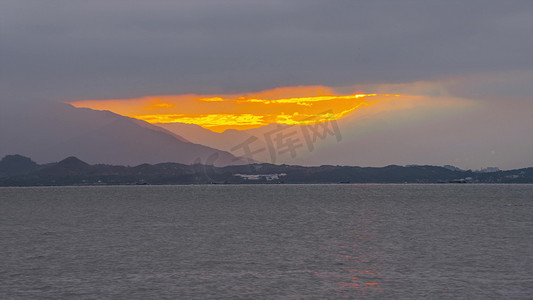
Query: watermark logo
x: 288, y: 139
x: 282, y: 142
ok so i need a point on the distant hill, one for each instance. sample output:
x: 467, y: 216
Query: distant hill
x: 72, y: 171
x: 12, y: 165
x: 197, y: 134
x: 67, y: 167
x: 229, y: 140
x: 51, y: 131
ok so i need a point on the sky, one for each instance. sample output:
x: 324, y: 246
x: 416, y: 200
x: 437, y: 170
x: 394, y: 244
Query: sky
x: 72, y: 51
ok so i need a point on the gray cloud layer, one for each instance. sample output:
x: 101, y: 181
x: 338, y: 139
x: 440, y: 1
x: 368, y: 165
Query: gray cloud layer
x: 92, y: 49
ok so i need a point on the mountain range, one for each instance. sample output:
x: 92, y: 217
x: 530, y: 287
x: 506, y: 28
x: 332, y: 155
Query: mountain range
x: 52, y: 131
x: 16, y: 170
x: 423, y: 131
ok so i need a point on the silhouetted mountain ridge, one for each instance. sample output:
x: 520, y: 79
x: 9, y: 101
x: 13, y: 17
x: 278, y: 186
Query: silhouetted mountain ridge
x: 73, y: 171
x: 69, y: 166
x: 12, y: 165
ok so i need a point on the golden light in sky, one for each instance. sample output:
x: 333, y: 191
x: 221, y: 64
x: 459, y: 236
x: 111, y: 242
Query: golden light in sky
x: 287, y: 105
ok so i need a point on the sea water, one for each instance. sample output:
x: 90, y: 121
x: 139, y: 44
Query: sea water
x: 267, y: 242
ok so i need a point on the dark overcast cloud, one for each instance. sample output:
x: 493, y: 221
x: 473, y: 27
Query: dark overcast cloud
x: 92, y: 49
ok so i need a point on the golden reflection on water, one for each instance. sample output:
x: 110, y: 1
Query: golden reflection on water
x: 357, y: 263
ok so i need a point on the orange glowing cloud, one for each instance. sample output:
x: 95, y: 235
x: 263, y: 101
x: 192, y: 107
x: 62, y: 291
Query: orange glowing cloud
x: 288, y: 105
x: 158, y: 105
